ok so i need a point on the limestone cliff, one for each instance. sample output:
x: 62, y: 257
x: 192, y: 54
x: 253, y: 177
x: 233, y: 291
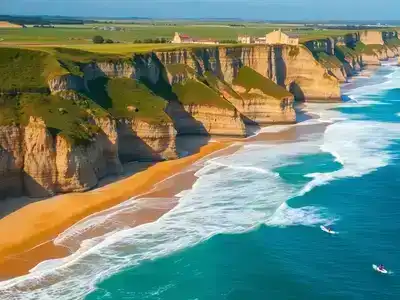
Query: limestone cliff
x: 115, y: 99
x: 11, y: 161
x: 368, y: 37
x: 217, y: 121
x: 142, y: 141
x: 118, y: 69
x: 294, y: 68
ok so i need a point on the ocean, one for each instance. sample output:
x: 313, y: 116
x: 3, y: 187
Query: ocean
x: 249, y: 227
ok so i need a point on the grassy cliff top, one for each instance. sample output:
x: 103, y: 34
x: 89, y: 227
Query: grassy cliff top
x: 177, y: 69
x: 328, y: 61
x: 368, y: 49
x: 26, y: 70
x: 127, y: 98
x: 250, y: 79
x: 219, y: 85
x: 61, y: 115
x: 193, y: 92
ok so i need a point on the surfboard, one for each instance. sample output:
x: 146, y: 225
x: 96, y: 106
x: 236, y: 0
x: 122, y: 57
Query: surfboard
x: 323, y: 228
x: 375, y: 267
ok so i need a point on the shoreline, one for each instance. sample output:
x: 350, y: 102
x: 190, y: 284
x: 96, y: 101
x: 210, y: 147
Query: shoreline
x: 153, y: 189
x: 25, y: 244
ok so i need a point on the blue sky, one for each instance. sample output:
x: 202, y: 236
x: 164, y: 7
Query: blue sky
x: 246, y: 9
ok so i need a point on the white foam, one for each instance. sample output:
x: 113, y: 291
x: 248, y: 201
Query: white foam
x: 304, y: 216
x: 398, y: 114
x: 359, y: 146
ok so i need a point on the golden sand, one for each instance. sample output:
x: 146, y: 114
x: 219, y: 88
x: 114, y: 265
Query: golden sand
x: 39, y: 223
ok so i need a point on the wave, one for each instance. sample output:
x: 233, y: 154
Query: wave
x: 304, y: 216
x: 359, y: 146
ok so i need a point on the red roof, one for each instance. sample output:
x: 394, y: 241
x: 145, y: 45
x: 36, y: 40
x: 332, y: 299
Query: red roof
x: 184, y: 36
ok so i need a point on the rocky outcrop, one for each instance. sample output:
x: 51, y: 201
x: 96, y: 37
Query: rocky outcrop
x: 40, y: 172
x: 109, y: 143
x: 11, y: 161
x: 263, y: 109
x: 142, y: 141
x: 78, y: 167
x: 118, y: 69
x: 39, y: 163
x: 216, y: 121
x: 291, y: 67
x: 65, y: 82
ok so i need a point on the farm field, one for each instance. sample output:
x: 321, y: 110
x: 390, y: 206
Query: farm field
x: 83, y: 34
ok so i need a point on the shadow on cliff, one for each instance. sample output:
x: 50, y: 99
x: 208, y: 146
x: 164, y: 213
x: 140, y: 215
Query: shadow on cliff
x: 280, y: 66
x: 133, y: 148
x: 297, y: 91
x: 97, y: 91
x: 184, y: 123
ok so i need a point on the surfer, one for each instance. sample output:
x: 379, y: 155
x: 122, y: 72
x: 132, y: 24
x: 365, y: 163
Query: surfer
x: 381, y: 267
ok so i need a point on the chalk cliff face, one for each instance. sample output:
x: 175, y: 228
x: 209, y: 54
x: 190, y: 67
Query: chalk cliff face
x: 371, y: 37
x: 217, y: 121
x: 108, y: 69
x: 143, y: 141
x: 66, y: 82
x: 39, y: 164
x: 291, y: 67
x: 263, y: 109
x: 11, y: 161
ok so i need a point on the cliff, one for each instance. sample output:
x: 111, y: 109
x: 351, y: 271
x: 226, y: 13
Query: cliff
x: 79, y: 120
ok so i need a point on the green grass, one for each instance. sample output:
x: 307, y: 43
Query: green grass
x: 193, y: 92
x: 8, y: 110
x: 180, y: 69
x: 82, y: 34
x: 26, y: 70
x: 368, y: 49
x: 61, y: 116
x: 220, y: 86
x: 250, y: 79
x: 393, y: 42
x: 127, y: 98
x: 328, y: 61
x: 347, y: 52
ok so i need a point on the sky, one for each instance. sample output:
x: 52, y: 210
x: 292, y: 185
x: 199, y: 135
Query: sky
x: 244, y: 9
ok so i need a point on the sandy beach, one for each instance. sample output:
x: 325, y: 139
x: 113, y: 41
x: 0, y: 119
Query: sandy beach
x: 25, y: 244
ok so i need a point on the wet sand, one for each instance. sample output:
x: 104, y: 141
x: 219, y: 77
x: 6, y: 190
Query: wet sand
x: 154, y: 191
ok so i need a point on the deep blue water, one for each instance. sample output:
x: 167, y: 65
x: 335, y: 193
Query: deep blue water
x: 249, y: 229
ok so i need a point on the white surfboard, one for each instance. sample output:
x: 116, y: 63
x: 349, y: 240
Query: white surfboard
x: 383, y: 271
x: 323, y: 228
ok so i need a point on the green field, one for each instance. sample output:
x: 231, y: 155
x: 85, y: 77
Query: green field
x: 82, y: 34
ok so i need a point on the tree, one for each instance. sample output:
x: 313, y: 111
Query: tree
x: 98, y: 39
x: 109, y: 41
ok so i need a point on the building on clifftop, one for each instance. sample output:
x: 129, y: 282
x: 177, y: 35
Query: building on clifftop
x: 282, y: 38
x: 186, y: 39
x: 245, y: 39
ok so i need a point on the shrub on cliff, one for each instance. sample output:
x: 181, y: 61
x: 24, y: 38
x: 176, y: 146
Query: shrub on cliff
x: 98, y: 39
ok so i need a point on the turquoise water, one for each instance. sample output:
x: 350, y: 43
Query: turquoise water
x: 301, y: 262
x: 249, y: 228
